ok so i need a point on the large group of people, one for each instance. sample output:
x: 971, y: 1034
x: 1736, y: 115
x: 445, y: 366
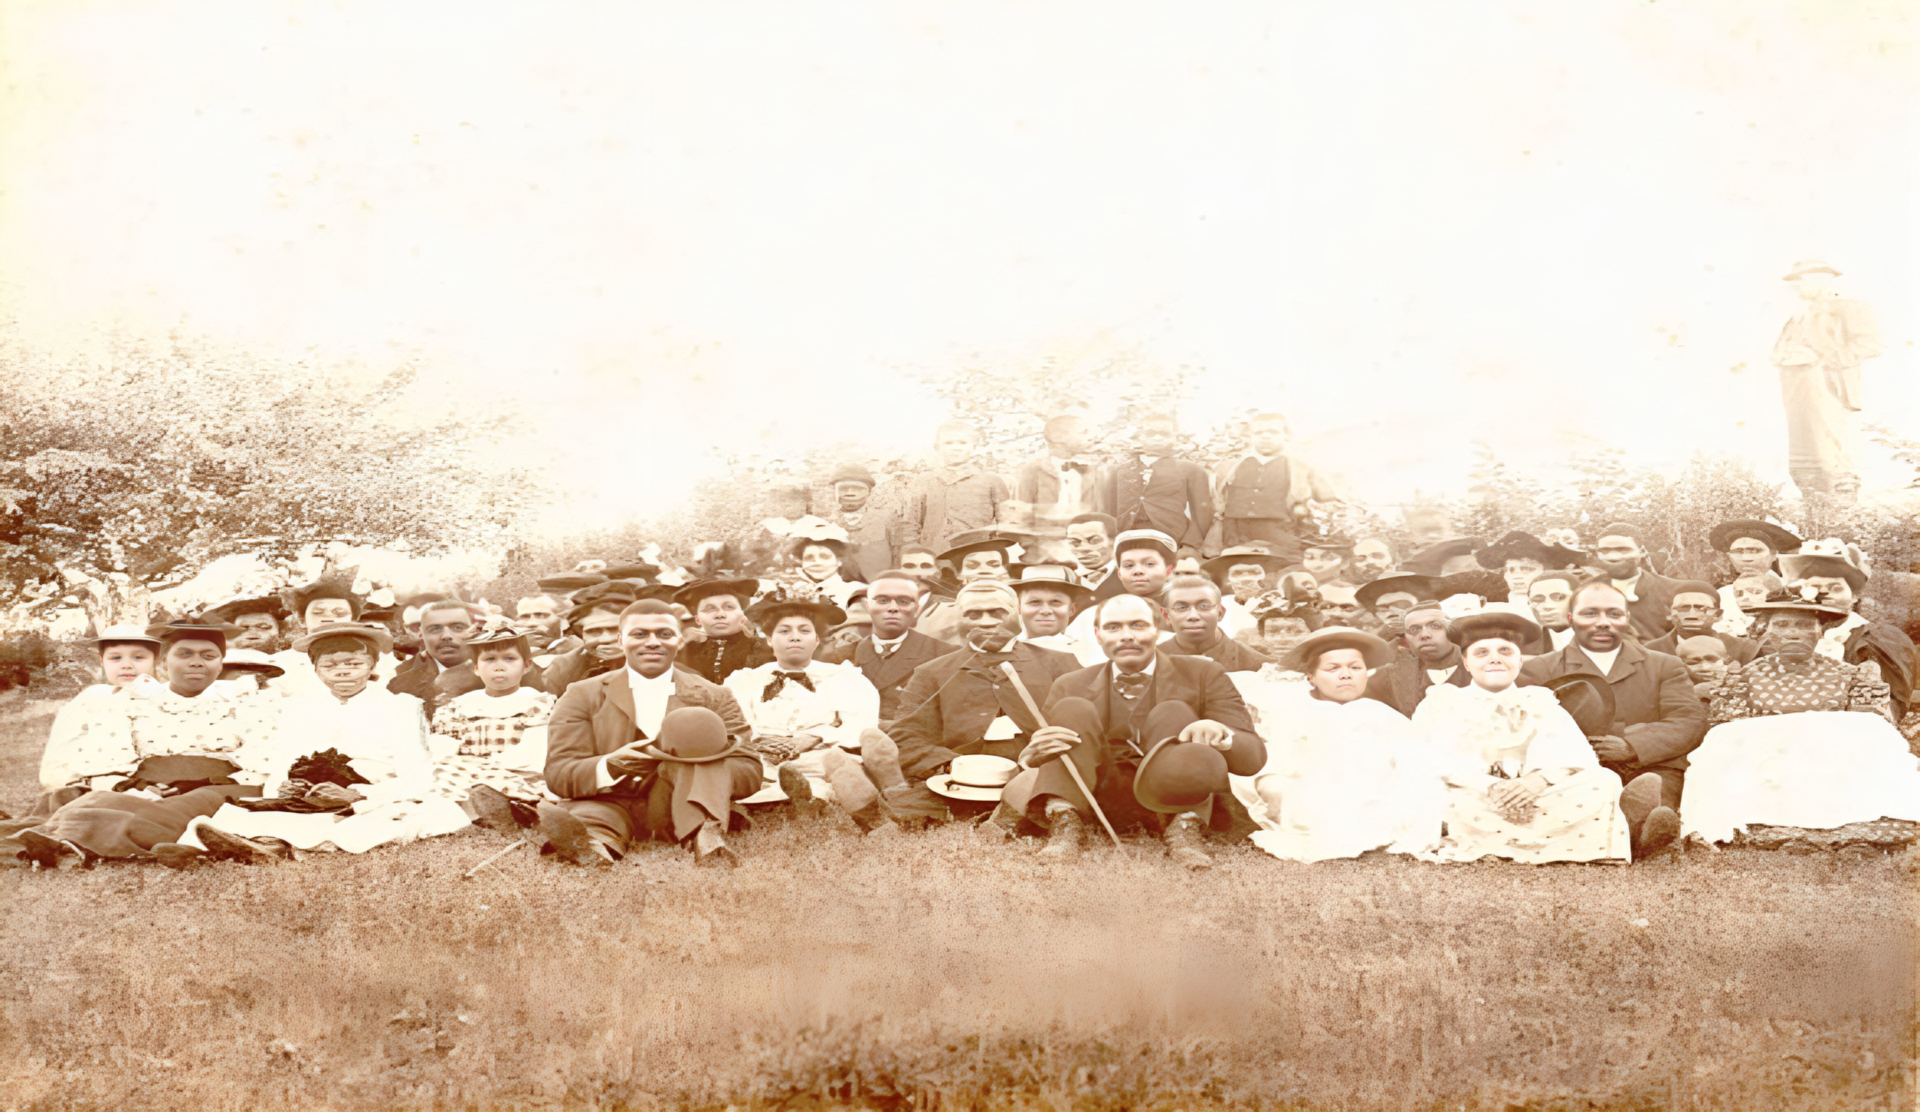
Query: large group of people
x: 1098, y: 648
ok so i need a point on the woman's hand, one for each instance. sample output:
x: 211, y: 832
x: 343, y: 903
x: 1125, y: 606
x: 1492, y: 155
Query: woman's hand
x: 1515, y: 799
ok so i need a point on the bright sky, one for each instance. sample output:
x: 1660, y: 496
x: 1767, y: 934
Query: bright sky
x: 670, y: 228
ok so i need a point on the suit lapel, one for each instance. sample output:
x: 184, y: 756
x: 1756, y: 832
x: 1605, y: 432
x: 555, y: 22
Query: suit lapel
x: 1627, y: 662
x: 888, y: 670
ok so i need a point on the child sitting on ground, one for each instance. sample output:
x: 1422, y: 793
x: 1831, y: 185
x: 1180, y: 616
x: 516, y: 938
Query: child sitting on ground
x: 490, y: 746
x: 126, y: 653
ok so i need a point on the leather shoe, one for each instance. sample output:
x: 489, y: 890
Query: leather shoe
x: 1065, y: 830
x: 1184, y: 837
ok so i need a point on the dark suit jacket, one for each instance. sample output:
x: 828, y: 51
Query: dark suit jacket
x: 1178, y: 501
x: 890, y: 674
x: 1893, y: 651
x: 950, y: 700
x: 1739, y: 649
x: 1225, y: 651
x: 1655, y: 707
x: 1196, y: 681
x: 1404, y: 683
x: 1653, y: 601
x: 419, y: 677
x: 595, y: 717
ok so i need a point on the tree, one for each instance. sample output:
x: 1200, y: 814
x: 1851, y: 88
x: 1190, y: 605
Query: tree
x: 134, y: 470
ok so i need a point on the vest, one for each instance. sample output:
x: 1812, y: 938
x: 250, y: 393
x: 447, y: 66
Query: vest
x: 1260, y: 490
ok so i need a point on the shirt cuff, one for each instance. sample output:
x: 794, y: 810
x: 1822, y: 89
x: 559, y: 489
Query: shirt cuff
x: 602, y: 777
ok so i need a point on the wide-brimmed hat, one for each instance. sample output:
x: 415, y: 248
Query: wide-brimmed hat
x: 1146, y: 538
x: 1791, y: 599
x: 380, y: 639
x: 1502, y: 618
x: 997, y: 537
x: 1776, y: 537
x: 692, y: 735
x: 252, y: 660
x: 130, y: 633
x: 767, y: 613
x: 976, y: 776
x: 1419, y: 586
x: 246, y: 604
x: 1429, y: 560
x: 338, y: 585
x: 1486, y: 584
x: 632, y: 571
x: 613, y: 590
x: 1587, y: 699
x: 1808, y: 266
x: 1178, y: 776
x: 690, y: 595
x: 192, y: 629
x: 1518, y: 545
x: 1218, y: 567
x: 1799, y: 566
x: 1375, y: 652
x: 1058, y: 577
x: 572, y: 581
x: 839, y: 546
x: 505, y: 635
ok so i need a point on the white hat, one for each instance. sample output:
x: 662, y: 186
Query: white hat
x: 125, y: 633
x: 975, y: 776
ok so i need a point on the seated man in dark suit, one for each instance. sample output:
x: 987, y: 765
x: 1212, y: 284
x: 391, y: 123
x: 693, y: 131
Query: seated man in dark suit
x: 890, y: 654
x: 1118, y: 722
x: 1658, y: 718
x: 647, y: 751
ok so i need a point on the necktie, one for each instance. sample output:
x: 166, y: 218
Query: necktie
x: 1131, y: 685
x: 780, y: 681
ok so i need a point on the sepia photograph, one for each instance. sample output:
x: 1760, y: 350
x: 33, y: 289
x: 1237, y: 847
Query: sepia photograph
x: 959, y: 555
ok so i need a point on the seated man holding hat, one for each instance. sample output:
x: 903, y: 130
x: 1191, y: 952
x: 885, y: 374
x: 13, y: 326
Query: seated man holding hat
x: 962, y: 702
x: 141, y: 765
x: 1152, y: 735
x: 348, y: 769
x: 798, y: 707
x: 1344, y: 774
x: 646, y: 752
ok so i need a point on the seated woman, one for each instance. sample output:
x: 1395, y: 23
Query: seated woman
x: 1344, y: 774
x: 141, y: 765
x: 1796, y: 739
x: 800, y: 707
x: 1521, y: 781
x: 372, y: 738
x: 126, y: 653
x: 490, y: 746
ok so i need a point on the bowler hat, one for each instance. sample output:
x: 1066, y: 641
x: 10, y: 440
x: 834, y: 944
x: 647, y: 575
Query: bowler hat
x: 692, y: 735
x: 1587, y: 699
x: 1179, y: 775
x: 1776, y: 537
x: 975, y: 776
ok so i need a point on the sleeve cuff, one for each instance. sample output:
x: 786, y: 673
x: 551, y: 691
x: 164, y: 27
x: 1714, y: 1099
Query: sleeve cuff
x: 602, y: 778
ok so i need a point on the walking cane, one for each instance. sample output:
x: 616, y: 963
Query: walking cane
x: 1073, y: 770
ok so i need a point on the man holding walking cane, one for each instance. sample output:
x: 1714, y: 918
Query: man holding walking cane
x: 1153, y: 735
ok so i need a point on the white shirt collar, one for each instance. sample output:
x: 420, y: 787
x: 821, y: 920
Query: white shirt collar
x: 650, y: 699
x: 1561, y: 638
x: 893, y: 644
x: 1603, y: 661
x: 1147, y: 671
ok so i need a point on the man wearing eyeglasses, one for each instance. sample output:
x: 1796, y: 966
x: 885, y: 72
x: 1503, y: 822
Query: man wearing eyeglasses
x: 1192, y: 608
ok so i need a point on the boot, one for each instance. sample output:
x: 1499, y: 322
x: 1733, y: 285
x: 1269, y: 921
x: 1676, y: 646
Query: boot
x: 799, y: 792
x: 571, y: 840
x: 222, y: 846
x: 492, y: 809
x: 710, y: 846
x: 43, y: 852
x: 1001, y: 825
x: 1184, y: 837
x: 1065, y: 828
x: 856, y: 795
x: 176, y: 856
x: 1660, y: 830
x: 1637, y: 801
x: 881, y: 758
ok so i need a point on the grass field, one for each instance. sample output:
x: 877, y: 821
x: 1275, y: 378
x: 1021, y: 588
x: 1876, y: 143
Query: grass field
x: 923, y: 971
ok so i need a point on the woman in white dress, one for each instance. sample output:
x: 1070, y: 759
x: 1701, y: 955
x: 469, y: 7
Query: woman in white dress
x: 126, y: 654
x: 1344, y: 774
x: 378, y: 736
x: 1521, y: 780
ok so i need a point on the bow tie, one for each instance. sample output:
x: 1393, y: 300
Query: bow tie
x: 1131, y: 685
x: 781, y: 679
x: 1075, y: 465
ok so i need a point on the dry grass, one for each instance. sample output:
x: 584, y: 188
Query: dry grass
x: 927, y: 970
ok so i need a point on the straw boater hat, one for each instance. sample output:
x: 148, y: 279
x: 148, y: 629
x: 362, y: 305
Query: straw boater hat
x: 1146, y: 538
x: 767, y: 613
x: 379, y: 639
x: 1776, y: 537
x: 1058, y: 577
x: 692, y: 735
x: 1218, y: 567
x: 997, y: 537
x: 1525, y: 546
x: 1301, y: 658
x: 975, y: 776
x: 124, y: 634
x: 252, y: 660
